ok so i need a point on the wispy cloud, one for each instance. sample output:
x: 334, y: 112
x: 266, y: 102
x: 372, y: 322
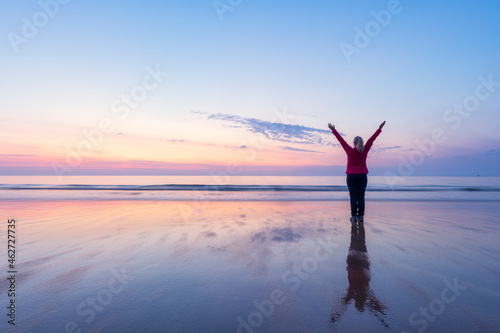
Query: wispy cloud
x: 302, y: 150
x: 296, y: 134
x: 17, y: 155
x: 380, y: 149
x: 493, y: 152
x: 178, y: 141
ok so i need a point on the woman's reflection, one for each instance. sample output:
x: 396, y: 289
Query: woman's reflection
x: 358, y: 274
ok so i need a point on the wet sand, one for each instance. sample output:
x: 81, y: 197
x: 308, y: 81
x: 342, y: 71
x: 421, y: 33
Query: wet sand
x: 129, y: 266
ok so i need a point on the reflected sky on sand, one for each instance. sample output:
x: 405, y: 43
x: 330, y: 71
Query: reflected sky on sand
x: 255, y: 266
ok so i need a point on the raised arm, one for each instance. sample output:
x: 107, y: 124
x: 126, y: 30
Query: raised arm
x: 370, y: 141
x: 339, y: 137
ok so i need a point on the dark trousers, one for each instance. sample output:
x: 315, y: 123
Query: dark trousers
x: 357, y: 186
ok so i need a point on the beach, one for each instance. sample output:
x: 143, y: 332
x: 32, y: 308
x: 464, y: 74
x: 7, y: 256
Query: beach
x: 195, y: 167
x: 253, y: 266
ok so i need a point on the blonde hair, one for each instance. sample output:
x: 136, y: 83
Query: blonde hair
x: 358, y: 142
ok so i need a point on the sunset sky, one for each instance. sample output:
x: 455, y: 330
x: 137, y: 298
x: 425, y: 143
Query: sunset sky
x: 196, y: 87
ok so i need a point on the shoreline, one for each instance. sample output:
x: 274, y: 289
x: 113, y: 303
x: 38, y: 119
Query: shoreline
x: 222, y: 261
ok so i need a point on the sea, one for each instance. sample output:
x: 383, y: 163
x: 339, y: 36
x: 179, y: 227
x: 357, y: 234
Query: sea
x: 245, y: 188
x: 249, y: 254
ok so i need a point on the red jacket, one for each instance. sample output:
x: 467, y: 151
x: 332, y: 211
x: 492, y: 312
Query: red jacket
x: 356, y: 162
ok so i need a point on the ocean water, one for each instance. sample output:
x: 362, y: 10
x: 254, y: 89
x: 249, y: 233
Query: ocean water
x: 242, y: 254
x: 244, y: 188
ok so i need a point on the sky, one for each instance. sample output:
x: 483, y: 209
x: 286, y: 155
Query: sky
x: 248, y: 87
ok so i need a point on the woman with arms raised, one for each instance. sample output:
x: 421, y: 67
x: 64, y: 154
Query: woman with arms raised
x: 357, y: 172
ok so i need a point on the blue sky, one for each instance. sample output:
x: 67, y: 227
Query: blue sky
x: 263, y: 58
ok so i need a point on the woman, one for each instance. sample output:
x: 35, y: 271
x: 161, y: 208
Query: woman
x: 357, y: 172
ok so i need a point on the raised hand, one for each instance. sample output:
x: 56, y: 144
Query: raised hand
x: 382, y: 125
x: 330, y: 126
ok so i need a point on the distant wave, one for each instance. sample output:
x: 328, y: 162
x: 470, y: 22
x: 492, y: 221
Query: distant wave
x: 245, y: 188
